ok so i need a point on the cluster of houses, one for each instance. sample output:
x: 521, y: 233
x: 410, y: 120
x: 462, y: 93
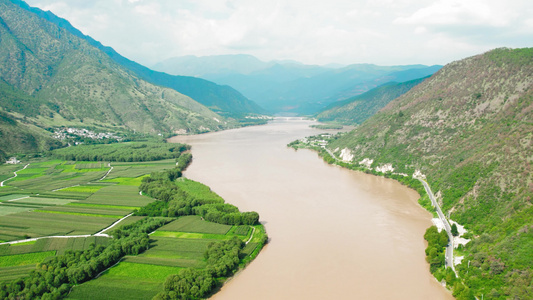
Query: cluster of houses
x: 64, y: 133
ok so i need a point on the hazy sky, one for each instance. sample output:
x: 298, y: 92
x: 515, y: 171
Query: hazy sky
x: 383, y: 32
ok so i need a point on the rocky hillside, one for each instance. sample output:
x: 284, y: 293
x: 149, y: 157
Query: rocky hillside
x: 50, y: 77
x: 357, y: 109
x: 469, y: 129
x: 221, y: 99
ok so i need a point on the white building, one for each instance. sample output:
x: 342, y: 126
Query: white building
x: 13, y: 161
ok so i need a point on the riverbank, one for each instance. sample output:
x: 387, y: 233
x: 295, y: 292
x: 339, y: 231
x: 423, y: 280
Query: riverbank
x: 333, y: 231
x: 319, y: 144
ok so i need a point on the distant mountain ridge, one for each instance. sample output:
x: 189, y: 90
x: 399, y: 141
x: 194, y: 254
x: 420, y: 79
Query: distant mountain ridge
x: 221, y: 99
x: 357, y: 109
x: 469, y: 129
x: 290, y: 86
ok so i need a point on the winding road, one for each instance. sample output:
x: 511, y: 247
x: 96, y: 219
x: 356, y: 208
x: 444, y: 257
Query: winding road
x: 449, y: 248
x: 2, y: 183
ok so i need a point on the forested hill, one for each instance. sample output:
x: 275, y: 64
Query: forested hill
x: 469, y: 128
x: 50, y: 78
x: 221, y: 99
x: 357, y: 109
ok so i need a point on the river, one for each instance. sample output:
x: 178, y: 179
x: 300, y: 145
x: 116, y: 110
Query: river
x: 334, y: 233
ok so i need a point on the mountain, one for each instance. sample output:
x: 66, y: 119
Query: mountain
x: 191, y: 65
x: 469, y: 129
x: 357, y: 109
x: 290, y: 86
x: 51, y: 78
x: 221, y: 99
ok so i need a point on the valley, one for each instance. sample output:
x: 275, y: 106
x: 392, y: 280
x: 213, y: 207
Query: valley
x: 124, y: 181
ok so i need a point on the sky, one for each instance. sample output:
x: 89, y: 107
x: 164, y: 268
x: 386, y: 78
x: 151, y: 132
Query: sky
x: 382, y: 32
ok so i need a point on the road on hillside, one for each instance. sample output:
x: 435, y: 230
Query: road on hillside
x: 449, y: 248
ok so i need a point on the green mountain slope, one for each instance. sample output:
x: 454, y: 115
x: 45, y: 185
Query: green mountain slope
x: 469, y: 128
x: 59, y: 79
x: 221, y: 99
x: 359, y: 108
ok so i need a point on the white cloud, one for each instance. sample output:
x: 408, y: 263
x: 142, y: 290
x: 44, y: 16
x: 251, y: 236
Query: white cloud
x: 345, y: 31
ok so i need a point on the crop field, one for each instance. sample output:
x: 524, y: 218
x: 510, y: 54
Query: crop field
x: 45, y: 201
x: 191, y: 235
x: 83, y: 188
x: 72, y: 200
x: 6, y: 170
x: 6, y: 209
x: 59, y: 245
x: 136, y: 181
x: 24, y: 259
x: 53, y: 175
x: 174, y: 252
x: 124, y: 195
x: 79, y: 204
x: 195, y: 224
x: 35, y: 224
x: 134, y: 170
x: 87, y: 210
x: 12, y: 197
x: 11, y: 273
x: 125, y: 281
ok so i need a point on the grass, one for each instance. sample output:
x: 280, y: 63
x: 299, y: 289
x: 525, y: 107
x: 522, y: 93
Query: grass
x: 24, y: 259
x: 198, y: 190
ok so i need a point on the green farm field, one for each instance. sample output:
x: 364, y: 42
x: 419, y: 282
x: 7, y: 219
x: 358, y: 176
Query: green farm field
x: 125, y: 281
x: 123, y: 195
x: 35, y: 224
x: 66, y: 198
x: 24, y: 259
x: 195, y: 224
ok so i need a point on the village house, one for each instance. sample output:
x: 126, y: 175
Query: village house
x: 13, y: 161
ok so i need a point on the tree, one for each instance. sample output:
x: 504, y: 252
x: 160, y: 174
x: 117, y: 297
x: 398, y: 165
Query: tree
x: 455, y: 232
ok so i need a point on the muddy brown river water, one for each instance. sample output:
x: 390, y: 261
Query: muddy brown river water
x: 334, y: 233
